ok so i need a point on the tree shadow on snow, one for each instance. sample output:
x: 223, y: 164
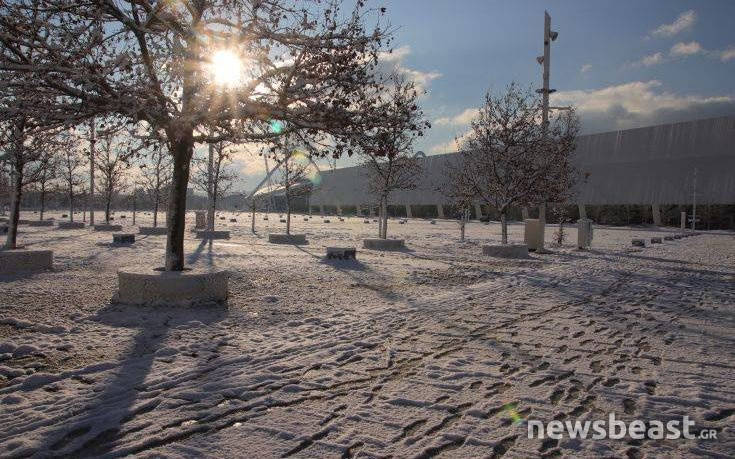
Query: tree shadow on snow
x: 98, y: 428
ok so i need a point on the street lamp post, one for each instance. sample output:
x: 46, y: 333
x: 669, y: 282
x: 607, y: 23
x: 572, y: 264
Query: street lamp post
x: 545, y: 61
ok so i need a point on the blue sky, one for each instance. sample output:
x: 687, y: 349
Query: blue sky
x: 622, y: 63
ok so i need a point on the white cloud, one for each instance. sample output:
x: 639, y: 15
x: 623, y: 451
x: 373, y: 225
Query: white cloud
x: 650, y: 60
x: 639, y: 103
x: 397, y: 55
x: 686, y: 49
x: 463, y: 119
x: 585, y: 68
x: 684, y: 22
x: 728, y: 54
x: 393, y: 61
x: 449, y: 146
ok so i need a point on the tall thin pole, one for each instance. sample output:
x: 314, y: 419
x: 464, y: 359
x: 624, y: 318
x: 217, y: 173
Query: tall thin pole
x: 90, y: 198
x: 545, y: 91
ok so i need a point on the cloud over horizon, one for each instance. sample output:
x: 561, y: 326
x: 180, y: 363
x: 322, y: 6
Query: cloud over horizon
x: 684, y: 21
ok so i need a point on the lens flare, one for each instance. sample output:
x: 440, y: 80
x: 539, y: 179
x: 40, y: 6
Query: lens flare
x: 275, y: 126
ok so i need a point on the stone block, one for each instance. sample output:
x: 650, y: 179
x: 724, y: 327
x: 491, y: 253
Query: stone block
x: 233, y: 220
x: 153, y: 230
x: 22, y: 260
x: 326, y: 220
x: 383, y: 244
x: 668, y: 238
x: 506, y: 250
x: 532, y: 234
x: 70, y: 225
x: 656, y: 240
x: 638, y: 242
x: 342, y: 253
x: 281, y: 238
x: 206, y: 234
x: 41, y: 223
x: 107, y: 227
x: 147, y: 286
x: 123, y: 238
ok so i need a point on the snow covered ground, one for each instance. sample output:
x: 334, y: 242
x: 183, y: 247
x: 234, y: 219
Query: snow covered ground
x: 433, y: 351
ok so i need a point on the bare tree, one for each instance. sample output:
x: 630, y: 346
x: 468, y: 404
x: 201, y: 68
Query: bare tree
x: 22, y: 145
x: 309, y: 65
x: 218, y: 181
x: 292, y: 178
x: 71, y: 163
x: 387, y: 150
x: 460, y: 192
x: 156, y: 172
x: 509, y: 158
x: 112, y: 157
x: 47, y: 172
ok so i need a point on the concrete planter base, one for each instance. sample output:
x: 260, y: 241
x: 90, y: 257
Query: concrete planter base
x: 147, y: 286
x: 108, y: 227
x: 153, y: 230
x: 280, y: 238
x: 71, y: 225
x: 41, y: 223
x: 123, y: 238
x: 383, y: 244
x: 342, y: 253
x: 206, y: 234
x: 21, y: 260
x: 506, y: 250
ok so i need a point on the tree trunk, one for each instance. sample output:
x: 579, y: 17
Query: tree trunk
x: 107, y: 209
x: 183, y: 148
x: 90, y: 197
x: 155, y: 211
x: 15, y: 209
x: 210, y: 189
x: 43, y: 200
x: 288, y: 215
x: 252, y: 220
x: 504, y: 227
x: 71, y: 206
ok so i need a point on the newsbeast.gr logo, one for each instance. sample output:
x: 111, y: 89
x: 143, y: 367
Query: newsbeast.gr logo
x: 616, y: 429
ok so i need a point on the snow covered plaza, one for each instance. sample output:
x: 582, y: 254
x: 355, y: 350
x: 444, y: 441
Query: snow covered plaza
x: 403, y: 353
x: 367, y: 229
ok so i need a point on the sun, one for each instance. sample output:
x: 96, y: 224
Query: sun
x: 226, y: 68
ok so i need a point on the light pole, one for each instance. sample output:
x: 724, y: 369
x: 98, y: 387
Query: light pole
x: 545, y: 61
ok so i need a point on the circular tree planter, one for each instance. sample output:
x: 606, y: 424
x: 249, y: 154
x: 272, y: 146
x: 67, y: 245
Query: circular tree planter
x: 206, y: 234
x: 106, y: 227
x: 14, y: 261
x: 41, y: 223
x: 281, y: 238
x: 383, y: 244
x: 153, y: 230
x: 506, y: 250
x: 149, y: 286
x: 70, y: 225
